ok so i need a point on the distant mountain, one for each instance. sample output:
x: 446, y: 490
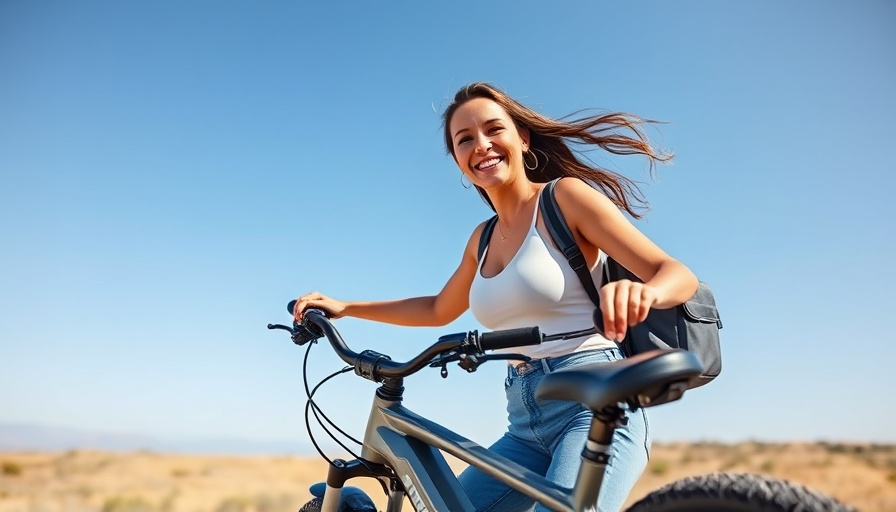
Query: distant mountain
x: 30, y: 437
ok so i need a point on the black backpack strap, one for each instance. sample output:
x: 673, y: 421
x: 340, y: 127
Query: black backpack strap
x: 486, y: 236
x: 562, y: 236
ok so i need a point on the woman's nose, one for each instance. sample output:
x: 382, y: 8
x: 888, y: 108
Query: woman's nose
x: 484, y: 146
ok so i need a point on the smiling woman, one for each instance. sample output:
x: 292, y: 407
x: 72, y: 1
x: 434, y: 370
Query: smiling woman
x: 509, y: 152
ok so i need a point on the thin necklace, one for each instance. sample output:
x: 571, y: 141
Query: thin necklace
x: 518, y: 212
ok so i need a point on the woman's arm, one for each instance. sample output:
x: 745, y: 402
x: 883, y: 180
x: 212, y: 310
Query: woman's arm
x: 596, y: 221
x: 433, y: 310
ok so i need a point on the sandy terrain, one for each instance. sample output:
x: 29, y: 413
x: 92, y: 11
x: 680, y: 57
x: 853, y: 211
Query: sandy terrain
x: 861, y: 475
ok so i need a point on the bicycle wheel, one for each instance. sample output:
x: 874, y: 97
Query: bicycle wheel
x: 315, y: 505
x: 352, y: 499
x: 736, y: 492
x: 312, y: 506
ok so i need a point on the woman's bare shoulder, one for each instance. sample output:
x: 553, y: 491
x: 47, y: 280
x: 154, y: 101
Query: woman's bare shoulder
x: 575, y: 194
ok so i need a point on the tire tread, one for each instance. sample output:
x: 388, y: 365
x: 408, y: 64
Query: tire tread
x: 737, y: 492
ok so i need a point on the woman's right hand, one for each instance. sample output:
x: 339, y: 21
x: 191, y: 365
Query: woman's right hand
x: 332, y: 307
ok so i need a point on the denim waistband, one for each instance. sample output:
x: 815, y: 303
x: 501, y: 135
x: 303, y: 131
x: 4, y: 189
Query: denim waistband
x: 548, y: 364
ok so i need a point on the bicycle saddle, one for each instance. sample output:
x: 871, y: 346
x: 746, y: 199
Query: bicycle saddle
x: 650, y: 378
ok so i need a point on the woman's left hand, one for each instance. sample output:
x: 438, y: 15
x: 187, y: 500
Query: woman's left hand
x: 623, y: 304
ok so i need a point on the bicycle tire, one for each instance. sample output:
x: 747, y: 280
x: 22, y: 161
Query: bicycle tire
x: 316, y: 503
x: 312, y: 506
x: 736, y: 492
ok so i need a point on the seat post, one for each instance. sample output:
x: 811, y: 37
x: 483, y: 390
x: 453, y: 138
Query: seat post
x: 596, y: 455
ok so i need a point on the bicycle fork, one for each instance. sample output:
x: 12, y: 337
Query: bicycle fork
x: 340, y: 471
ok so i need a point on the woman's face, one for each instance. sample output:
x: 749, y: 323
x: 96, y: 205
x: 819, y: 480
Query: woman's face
x: 488, y: 148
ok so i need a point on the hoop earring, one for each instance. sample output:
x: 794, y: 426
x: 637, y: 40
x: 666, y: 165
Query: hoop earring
x: 462, y: 176
x: 526, y: 160
x: 545, y: 155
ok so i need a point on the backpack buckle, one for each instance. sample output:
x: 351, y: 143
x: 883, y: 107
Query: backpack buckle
x: 575, y: 257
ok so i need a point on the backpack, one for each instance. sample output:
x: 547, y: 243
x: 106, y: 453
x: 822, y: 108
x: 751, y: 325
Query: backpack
x: 693, y: 326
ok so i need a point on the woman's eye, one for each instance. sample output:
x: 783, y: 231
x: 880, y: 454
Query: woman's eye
x: 463, y: 140
x: 496, y: 129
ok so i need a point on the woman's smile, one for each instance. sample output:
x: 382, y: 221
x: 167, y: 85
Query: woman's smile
x: 488, y: 164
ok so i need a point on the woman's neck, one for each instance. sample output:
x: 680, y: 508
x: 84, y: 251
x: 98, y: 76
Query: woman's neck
x: 510, y: 201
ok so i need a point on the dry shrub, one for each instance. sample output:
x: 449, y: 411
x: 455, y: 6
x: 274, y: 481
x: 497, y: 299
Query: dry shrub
x: 658, y: 467
x: 9, y: 468
x: 127, y: 504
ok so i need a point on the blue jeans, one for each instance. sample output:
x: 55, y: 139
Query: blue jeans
x: 547, y: 437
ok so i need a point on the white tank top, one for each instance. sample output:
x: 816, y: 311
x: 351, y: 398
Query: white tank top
x: 537, y: 288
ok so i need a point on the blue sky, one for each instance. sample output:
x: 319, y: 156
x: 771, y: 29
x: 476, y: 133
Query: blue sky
x: 172, y: 173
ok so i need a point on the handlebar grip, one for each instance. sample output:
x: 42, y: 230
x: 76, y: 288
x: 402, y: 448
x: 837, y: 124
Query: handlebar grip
x: 292, y: 306
x: 510, y: 338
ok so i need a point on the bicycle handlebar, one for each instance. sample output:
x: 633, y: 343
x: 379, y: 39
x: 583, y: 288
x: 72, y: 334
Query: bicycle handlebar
x: 375, y: 366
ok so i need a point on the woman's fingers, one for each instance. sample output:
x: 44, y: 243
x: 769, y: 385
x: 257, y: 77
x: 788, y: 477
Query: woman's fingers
x: 303, y: 303
x: 333, y: 308
x: 612, y: 308
x: 634, y: 304
x: 620, y: 305
x: 641, y: 298
x: 648, y: 299
x: 624, y: 304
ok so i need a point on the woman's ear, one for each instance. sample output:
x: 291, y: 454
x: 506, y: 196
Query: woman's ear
x: 524, y: 136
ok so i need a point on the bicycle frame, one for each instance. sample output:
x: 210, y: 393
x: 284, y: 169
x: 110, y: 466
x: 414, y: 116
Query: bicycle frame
x: 409, y: 445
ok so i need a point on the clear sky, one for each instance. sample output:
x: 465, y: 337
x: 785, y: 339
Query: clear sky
x: 173, y: 173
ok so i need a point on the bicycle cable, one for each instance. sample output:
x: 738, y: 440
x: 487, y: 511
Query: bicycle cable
x: 310, y: 405
x: 316, y: 408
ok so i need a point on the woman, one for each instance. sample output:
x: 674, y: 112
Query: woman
x: 508, y: 152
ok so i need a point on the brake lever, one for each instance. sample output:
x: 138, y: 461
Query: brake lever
x: 470, y: 362
x: 280, y: 326
x: 443, y: 361
x: 299, y: 333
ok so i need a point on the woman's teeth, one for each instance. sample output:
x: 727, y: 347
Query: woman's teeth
x: 491, y: 162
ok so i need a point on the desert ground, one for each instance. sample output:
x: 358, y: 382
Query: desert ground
x: 861, y: 475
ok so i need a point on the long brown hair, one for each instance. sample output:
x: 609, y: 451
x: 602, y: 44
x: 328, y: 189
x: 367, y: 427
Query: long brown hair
x: 616, y: 132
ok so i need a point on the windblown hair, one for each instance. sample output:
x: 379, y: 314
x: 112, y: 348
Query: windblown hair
x: 615, y: 132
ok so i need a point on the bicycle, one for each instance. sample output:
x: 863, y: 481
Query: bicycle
x: 404, y: 450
